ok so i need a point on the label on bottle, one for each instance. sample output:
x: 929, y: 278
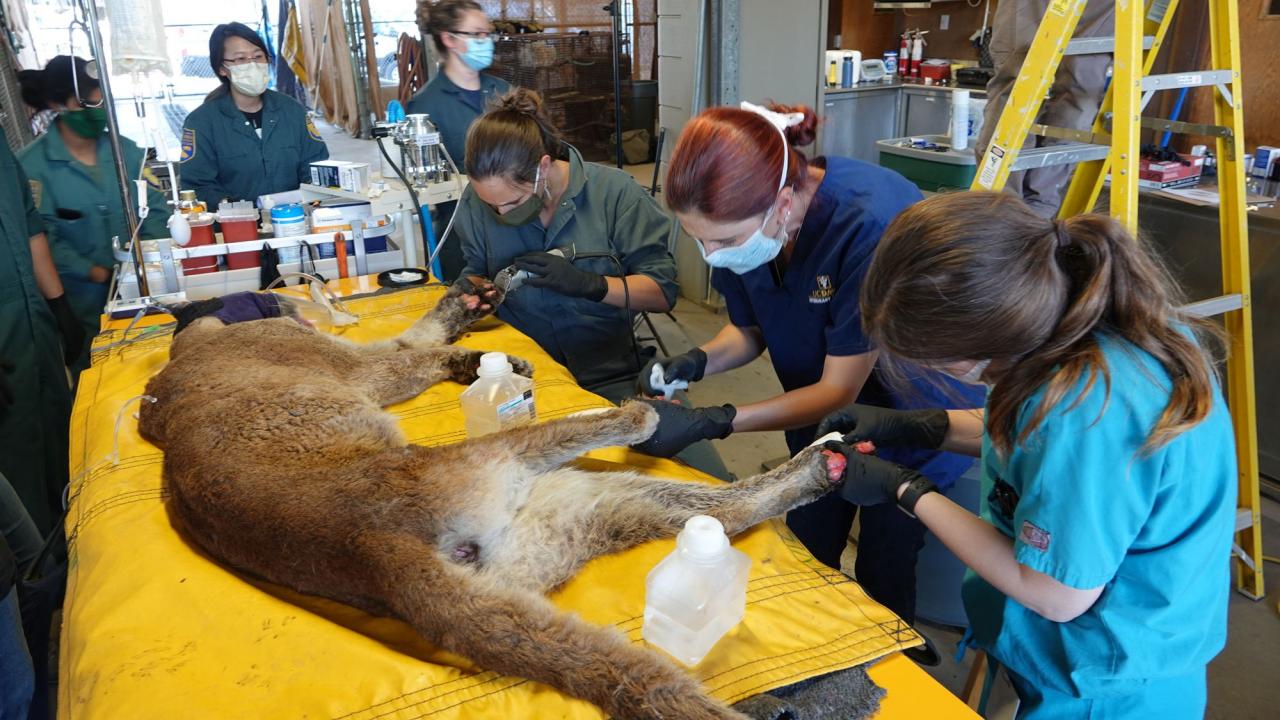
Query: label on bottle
x: 518, y: 410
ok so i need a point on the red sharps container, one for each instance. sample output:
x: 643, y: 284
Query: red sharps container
x: 239, y: 222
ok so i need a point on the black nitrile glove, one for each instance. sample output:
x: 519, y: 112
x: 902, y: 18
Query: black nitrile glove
x: 6, y: 390
x: 69, y: 327
x: 558, y: 274
x: 868, y: 480
x: 922, y: 429
x: 679, y: 427
x: 690, y: 367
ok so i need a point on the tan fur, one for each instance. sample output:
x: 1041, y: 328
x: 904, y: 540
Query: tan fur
x: 281, y: 462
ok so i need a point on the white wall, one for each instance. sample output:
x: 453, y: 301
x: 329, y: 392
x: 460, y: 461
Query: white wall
x: 779, y: 46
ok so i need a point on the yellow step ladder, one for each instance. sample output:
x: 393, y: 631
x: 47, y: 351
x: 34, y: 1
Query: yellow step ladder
x: 1111, y: 148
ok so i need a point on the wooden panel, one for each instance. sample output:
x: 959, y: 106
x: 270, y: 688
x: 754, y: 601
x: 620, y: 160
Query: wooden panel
x: 1188, y: 49
x: 952, y: 43
x: 866, y: 29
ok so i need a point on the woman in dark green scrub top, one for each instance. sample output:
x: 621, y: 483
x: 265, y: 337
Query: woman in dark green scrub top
x: 35, y: 398
x: 245, y: 140
x: 73, y: 183
x: 531, y: 193
x: 459, y: 92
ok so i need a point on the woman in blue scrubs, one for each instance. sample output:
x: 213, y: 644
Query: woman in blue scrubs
x: 1100, y: 565
x: 790, y: 241
x: 459, y: 93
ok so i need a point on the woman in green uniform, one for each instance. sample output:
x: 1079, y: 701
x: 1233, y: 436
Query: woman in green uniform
x: 594, y: 245
x: 74, y: 186
x: 459, y: 92
x: 245, y: 140
x: 35, y: 397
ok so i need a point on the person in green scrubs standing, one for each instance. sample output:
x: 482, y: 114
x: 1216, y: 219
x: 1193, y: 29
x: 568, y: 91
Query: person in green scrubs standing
x: 245, y: 140
x: 35, y: 396
x: 73, y: 184
x: 459, y: 92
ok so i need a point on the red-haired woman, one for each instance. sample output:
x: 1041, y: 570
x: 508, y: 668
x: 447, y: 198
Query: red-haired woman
x: 790, y: 241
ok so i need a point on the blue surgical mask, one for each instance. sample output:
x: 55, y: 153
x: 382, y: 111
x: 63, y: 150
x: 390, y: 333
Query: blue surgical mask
x: 479, y: 54
x: 756, y: 251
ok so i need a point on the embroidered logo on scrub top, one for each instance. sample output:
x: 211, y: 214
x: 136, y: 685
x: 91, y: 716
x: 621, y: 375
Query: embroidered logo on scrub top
x: 36, y: 191
x: 312, y: 131
x: 188, y: 144
x: 823, y: 292
x: 1034, y: 536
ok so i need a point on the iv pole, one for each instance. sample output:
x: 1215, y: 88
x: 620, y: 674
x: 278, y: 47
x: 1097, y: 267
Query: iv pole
x: 113, y: 136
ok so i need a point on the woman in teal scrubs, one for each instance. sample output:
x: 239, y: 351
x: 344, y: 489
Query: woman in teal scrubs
x: 459, y: 92
x: 245, y: 140
x: 73, y: 183
x: 1099, y: 568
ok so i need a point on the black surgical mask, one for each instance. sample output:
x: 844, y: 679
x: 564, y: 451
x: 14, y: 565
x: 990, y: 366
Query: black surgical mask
x: 527, y: 211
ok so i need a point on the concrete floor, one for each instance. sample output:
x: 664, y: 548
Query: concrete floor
x: 1243, y: 680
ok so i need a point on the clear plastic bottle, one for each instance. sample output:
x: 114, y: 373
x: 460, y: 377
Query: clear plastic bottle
x: 498, y: 398
x: 697, y: 593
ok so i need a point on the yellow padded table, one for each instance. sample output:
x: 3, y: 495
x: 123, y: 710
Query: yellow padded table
x: 153, y: 628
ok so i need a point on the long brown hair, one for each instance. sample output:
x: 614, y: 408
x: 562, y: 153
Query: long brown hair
x: 973, y: 275
x: 510, y: 139
x: 727, y: 161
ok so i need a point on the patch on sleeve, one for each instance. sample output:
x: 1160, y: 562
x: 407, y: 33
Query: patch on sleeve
x: 37, y: 189
x: 1034, y: 536
x: 188, y: 144
x: 312, y: 131
x: 152, y: 179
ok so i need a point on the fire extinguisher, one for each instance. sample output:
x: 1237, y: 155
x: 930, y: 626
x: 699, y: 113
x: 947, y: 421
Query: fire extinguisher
x: 917, y: 52
x: 904, y: 54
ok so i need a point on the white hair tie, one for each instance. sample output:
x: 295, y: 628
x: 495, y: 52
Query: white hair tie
x: 781, y: 121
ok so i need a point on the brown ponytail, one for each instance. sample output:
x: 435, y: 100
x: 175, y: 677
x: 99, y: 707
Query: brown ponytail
x: 966, y: 276
x: 510, y: 139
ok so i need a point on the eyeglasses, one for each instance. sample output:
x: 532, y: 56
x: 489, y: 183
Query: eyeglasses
x: 478, y: 34
x: 258, y: 57
x: 90, y: 71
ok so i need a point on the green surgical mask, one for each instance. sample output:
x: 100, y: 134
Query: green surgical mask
x: 88, y: 122
x: 525, y: 212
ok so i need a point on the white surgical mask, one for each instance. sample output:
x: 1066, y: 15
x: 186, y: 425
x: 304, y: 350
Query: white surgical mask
x: 250, y: 78
x: 973, y: 376
x: 756, y: 251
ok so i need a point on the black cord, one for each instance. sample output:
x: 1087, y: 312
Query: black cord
x: 626, y: 299
x: 413, y: 195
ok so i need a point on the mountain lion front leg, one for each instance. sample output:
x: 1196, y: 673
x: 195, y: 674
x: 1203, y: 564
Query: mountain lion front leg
x: 549, y: 445
x: 464, y: 304
x: 394, y: 374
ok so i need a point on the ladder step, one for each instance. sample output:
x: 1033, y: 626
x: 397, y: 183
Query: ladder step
x: 1064, y: 154
x: 1174, y: 81
x: 1244, y: 519
x: 1214, y: 306
x: 1101, y: 45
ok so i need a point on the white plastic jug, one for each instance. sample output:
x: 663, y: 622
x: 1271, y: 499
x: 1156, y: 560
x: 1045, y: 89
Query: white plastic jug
x: 498, y: 399
x: 697, y: 593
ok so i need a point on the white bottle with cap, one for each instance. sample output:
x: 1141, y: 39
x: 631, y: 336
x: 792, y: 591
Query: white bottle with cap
x: 498, y: 399
x: 697, y: 593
